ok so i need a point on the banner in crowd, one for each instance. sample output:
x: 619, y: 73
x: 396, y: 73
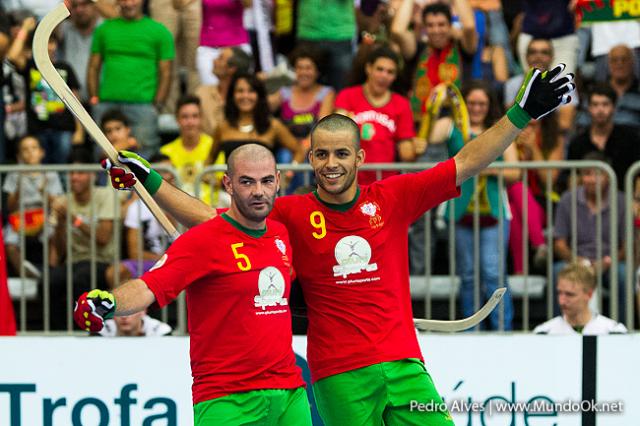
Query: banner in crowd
x: 486, y: 380
x: 588, y: 11
x: 7, y: 318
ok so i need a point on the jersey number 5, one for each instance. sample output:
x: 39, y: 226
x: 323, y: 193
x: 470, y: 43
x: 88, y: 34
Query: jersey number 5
x: 317, y: 221
x: 245, y: 263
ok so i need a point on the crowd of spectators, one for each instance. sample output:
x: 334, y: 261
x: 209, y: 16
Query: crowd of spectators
x: 191, y: 80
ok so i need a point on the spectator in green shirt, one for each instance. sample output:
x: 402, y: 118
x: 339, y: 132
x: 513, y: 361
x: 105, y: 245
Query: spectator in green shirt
x: 130, y: 70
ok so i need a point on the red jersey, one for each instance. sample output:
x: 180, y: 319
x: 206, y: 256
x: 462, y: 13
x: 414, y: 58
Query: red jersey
x: 237, y: 298
x: 381, y: 128
x: 354, y: 268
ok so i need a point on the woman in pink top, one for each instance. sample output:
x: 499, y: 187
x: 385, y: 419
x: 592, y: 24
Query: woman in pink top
x: 221, y: 27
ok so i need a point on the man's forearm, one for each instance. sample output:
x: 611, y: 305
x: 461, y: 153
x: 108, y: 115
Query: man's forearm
x: 133, y: 296
x: 164, y: 81
x: 562, y: 250
x: 465, y: 14
x: 187, y: 210
x: 478, y: 153
x: 93, y: 75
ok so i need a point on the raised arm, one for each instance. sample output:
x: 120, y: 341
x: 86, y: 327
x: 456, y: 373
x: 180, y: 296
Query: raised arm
x: 540, y: 94
x: 187, y: 210
x: 469, y: 40
x: 400, y: 32
x: 17, y: 53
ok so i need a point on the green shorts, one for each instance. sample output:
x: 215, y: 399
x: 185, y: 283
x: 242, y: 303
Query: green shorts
x: 266, y: 407
x: 381, y: 394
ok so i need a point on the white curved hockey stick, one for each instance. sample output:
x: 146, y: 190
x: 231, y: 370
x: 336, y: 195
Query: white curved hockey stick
x: 49, y: 73
x: 463, y: 324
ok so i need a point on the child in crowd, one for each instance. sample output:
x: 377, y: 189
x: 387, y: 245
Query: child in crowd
x: 28, y: 192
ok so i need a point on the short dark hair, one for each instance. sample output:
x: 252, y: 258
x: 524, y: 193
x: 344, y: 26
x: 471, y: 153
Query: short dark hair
x: 304, y: 52
x: 80, y: 155
x: 383, y: 51
x: 114, y: 114
x: 336, y: 123
x: 187, y: 100
x: 603, y: 89
x: 241, y: 60
x: 597, y: 156
x: 29, y: 136
x: 437, y: 9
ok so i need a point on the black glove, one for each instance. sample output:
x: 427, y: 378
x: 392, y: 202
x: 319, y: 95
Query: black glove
x: 540, y: 94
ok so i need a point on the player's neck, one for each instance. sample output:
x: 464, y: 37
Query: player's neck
x: 234, y: 214
x: 342, y: 198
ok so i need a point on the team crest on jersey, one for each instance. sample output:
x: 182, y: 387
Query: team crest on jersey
x: 353, y: 254
x: 281, y: 246
x: 159, y: 263
x: 271, y: 285
x: 371, y: 209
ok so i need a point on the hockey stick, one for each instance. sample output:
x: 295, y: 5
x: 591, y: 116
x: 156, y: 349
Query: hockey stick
x: 49, y: 73
x: 463, y: 324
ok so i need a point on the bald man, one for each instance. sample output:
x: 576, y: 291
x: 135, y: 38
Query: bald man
x: 623, y: 80
x: 236, y: 269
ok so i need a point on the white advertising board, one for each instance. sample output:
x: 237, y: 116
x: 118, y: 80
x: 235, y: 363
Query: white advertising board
x: 61, y: 381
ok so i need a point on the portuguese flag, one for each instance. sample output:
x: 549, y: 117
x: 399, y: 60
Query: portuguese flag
x: 607, y: 10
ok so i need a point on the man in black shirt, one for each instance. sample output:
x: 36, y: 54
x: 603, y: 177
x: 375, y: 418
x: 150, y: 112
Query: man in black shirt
x: 619, y: 143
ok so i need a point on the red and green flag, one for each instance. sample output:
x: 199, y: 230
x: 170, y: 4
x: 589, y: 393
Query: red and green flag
x: 588, y: 11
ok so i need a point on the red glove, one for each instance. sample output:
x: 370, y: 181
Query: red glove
x: 120, y: 179
x: 93, y: 308
x: 140, y: 170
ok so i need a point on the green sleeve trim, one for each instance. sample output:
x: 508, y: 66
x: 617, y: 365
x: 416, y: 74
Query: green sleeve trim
x: 518, y: 116
x: 153, y: 181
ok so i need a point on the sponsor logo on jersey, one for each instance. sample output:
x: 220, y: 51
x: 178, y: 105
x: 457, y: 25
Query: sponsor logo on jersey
x: 160, y: 263
x: 372, y: 211
x: 353, y: 254
x: 271, y: 286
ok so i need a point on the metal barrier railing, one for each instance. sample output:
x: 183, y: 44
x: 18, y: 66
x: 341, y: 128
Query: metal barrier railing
x: 573, y: 167
x: 630, y: 255
x: 44, y: 284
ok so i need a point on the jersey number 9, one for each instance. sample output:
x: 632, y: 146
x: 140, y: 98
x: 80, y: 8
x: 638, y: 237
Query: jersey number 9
x: 317, y: 221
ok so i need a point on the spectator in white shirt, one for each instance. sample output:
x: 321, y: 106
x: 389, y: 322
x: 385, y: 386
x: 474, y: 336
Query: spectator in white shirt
x: 575, y: 287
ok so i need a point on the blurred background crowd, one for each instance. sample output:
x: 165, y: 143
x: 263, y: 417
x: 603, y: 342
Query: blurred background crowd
x: 184, y: 82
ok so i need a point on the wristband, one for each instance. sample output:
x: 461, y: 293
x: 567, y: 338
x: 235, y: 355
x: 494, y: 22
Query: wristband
x: 518, y: 116
x: 152, y: 182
